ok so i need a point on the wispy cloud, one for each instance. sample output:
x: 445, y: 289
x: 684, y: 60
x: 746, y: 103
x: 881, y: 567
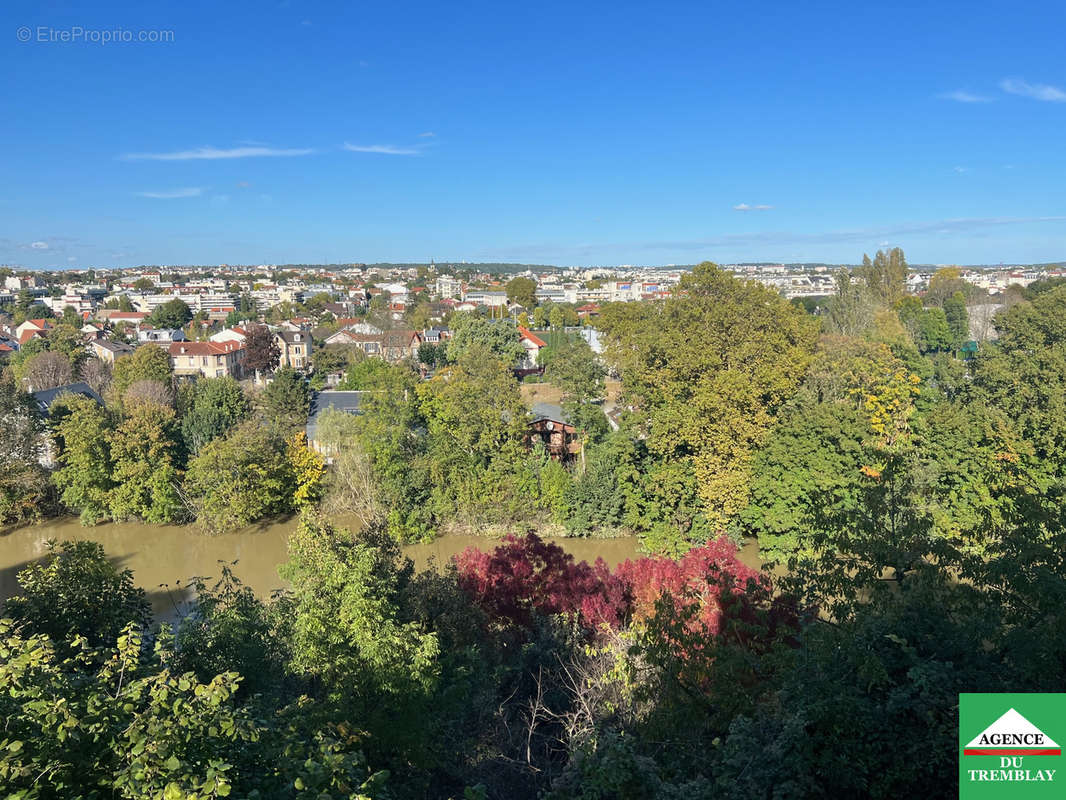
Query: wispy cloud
x: 210, y: 153
x: 1036, y: 91
x: 747, y: 207
x: 384, y: 149
x: 962, y: 96
x: 427, y: 135
x: 39, y: 246
x: 961, y: 170
x: 972, y: 226
x: 173, y: 194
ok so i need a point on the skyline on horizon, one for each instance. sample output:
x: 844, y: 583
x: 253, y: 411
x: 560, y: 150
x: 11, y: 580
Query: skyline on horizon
x: 316, y: 132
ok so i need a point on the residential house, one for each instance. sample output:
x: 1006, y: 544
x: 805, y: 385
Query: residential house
x: 532, y: 344
x: 436, y: 335
x: 551, y: 427
x: 33, y: 329
x: 392, y: 346
x: 91, y: 331
x: 369, y: 343
x: 160, y: 336
x: 347, y: 402
x: 399, y: 345
x: 108, y: 351
x: 45, y: 398
x: 234, y: 334
x: 295, y: 348
x: 207, y: 359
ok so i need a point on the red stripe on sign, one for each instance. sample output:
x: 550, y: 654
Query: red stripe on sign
x: 1012, y: 752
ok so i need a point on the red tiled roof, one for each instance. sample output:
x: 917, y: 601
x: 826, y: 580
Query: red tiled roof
x: 525, y: 334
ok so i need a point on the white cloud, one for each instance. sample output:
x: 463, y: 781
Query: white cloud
x: 1036, y: 91
x: 961, y: 170
x: 962, y: 96
x: 747, y: 207
x: 193, y: 191
x: 427, y: 135
x: 211, y: 153
x: 384, y: 149
x: 39, y: 245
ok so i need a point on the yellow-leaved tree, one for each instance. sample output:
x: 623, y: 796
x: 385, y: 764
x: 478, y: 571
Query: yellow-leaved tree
x: 308, y: 469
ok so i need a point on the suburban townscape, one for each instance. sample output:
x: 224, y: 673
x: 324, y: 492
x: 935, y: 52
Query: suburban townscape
x: 888, y: 448
x: 544, y: 401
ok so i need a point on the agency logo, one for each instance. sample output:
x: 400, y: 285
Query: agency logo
x: 1009, y: 746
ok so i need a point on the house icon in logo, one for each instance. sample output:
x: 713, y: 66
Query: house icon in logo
x: 1012, y: 735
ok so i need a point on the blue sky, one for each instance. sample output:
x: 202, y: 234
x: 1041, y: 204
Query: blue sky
x: 570, y: 133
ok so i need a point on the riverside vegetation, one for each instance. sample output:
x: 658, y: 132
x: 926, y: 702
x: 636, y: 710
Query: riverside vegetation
x: 916, y: 499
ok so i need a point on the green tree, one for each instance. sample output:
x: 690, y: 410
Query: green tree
x: 576, y: 370
x: 132, y: 728
x: 958, y: 318
x: 240, y: 478
x: 83, y: 438
x: 387, y: 433
x: 474, y: 407
x: 214, y: 407
x: 522, y: 291
x: 885, y: 276
x: 432, y: 355
x: 540, y: 318
x: 850, y: 310
x: 555, y: 318
x: 708, y: 369
x: 145, y: 455
x: 121, y: 303
x: 365, y: 373
x: 147, y: 363
x: 287, y: 399
x: 499, y: 337
x: 68, y: 340
x: 77, y: 591
x: 171, y: 314
x: 349, y: 633
x: 24, y: 486
x: 934, y: 333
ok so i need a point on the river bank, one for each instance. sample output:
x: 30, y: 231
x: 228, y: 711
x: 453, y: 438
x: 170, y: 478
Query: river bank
x: 165, y: 557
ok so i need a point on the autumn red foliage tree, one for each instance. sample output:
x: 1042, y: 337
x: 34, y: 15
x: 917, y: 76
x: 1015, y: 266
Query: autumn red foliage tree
x: 525, y: 577
x: 708, y: 589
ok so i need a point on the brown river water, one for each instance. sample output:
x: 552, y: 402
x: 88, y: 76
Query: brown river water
x: 164, y: 557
